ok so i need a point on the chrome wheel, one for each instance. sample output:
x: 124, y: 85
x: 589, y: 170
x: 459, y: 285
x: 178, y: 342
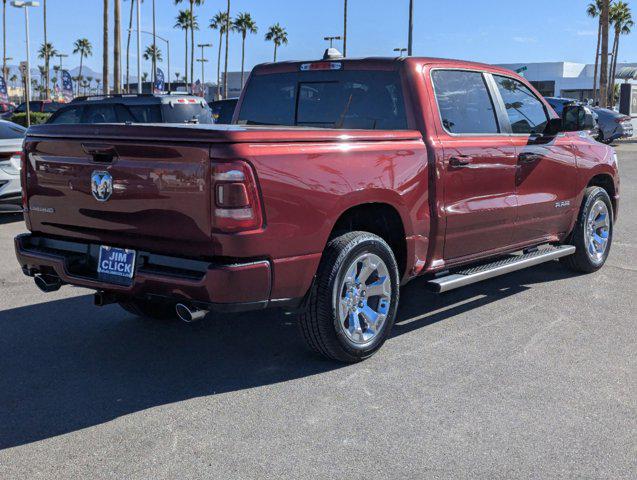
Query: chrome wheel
x: 362, y: 299
x: 597, y: 231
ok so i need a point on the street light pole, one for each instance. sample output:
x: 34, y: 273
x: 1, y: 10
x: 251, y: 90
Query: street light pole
x: 410, y: 43
x: 203, y: 63
x: 167, y: 49
x: 139, y: 49
x: 331, y: 39
x: 27, y: 90
x: 400, y: 51
x: 61, y: 56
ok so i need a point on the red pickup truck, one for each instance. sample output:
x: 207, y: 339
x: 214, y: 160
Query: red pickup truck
x: 338, y: 182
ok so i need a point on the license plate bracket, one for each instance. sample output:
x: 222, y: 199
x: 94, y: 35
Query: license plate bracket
x: 116, y: 265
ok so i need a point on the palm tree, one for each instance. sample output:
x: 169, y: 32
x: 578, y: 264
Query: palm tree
x: 185, y: 22
x: 219, y: 22
x: 177, y: 75
x: 85, y: 49
x: 144, y: 76
x: 153, y: 54
x: 105, y: 69
x: 345, y: 29
x: 47, y: 55
x: 225, y: 75
x: 244, y: 24
x: 4, y: 37
x: 128, y: 42
x: 593, y: 10
x: 117, y: 53
x: 603, y: 65
x: 192, y: 33
x: 278, y: 35
x: 90, y: 82
x: 621, y: 18
x: 46, y: 52
x: 13, y: 79
x: 97, y: 84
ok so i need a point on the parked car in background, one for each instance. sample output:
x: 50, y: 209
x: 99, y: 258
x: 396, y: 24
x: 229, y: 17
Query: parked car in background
x: 146, y: 108
x: 223, y: 110
x: 612, y: 125
x: 39, y: 106
x: 340, y: 182
x: 559, y: 104
x: 6, y: 110
x: 11, y: 139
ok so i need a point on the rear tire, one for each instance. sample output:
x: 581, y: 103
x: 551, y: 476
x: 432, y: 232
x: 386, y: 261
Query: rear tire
x: 593, y: 232
x: 153, y: 309
x: 353, y: 302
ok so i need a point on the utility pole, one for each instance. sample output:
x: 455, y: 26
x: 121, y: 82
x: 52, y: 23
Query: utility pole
x: 345, y: 29
x: 331, y: 40
x: 105, y: 70
x: 27, y: 87
x: 410, y: 42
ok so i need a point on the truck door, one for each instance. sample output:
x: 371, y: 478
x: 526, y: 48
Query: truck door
x: 478, y: 165
x: 546, y: 182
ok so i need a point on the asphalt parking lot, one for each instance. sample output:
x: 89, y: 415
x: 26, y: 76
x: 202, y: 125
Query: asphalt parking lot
x: 531, y: 375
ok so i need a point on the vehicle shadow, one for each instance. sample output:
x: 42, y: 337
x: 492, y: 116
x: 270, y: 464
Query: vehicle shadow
x: 65, y: 365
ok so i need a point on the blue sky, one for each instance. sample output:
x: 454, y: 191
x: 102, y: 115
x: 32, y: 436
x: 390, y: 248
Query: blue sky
x: 492, y: 31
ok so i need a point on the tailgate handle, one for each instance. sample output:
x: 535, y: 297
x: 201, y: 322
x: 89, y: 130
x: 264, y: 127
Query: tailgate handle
x: 100, y: 153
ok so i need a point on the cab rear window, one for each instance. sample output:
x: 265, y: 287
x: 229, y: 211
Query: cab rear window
x: 355, y: 99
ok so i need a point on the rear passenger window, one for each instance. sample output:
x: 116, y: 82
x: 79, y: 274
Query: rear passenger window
x: 464, y: 102
x: 100, y: 114
x: 146, y: 113
x: 526, y: 113
x: 70, y: 115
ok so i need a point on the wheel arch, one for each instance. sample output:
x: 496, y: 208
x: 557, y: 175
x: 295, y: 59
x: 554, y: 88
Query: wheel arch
x: 605, y: 181
x: 379, y: 218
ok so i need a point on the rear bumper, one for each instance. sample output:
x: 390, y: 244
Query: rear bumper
x: 231, y: 287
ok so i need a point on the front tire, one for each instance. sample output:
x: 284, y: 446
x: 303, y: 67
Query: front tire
x: 353, y: 302
x: 593, y: 232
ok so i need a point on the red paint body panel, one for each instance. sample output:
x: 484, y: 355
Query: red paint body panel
x: 307, y: 178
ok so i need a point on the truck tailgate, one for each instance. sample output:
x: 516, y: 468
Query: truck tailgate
x: 121, y: 192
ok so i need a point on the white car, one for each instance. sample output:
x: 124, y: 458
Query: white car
x: 11, y: 138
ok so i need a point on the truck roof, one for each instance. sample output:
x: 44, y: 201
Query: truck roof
x: 383, y: 63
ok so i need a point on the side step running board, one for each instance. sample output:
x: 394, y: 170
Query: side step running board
x: 500, y: 267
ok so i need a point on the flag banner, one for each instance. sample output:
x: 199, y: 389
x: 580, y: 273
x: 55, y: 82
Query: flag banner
x: 67, y: 86
x: 4, y: 93
x: 160, y: 83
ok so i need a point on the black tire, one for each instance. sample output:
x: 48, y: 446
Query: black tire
x: 581, y: 261
x: 319, y: 323
x: 153, y: 309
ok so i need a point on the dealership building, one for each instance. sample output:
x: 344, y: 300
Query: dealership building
x: 562, y: 79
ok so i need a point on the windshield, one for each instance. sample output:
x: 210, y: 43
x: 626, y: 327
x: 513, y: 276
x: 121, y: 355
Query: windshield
x: 182, y: 113
x: 355, y: 99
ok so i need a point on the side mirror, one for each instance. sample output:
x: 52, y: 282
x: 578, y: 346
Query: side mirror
x: 577, y: 118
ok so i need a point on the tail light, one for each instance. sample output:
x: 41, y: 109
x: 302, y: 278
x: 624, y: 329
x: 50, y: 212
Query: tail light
x: 23, y: 178
x: 236, y: 206
x: 622, y: 119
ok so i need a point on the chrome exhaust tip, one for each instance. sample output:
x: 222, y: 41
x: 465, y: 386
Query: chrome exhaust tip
x: 47, y: 283
x: 189, y: 314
